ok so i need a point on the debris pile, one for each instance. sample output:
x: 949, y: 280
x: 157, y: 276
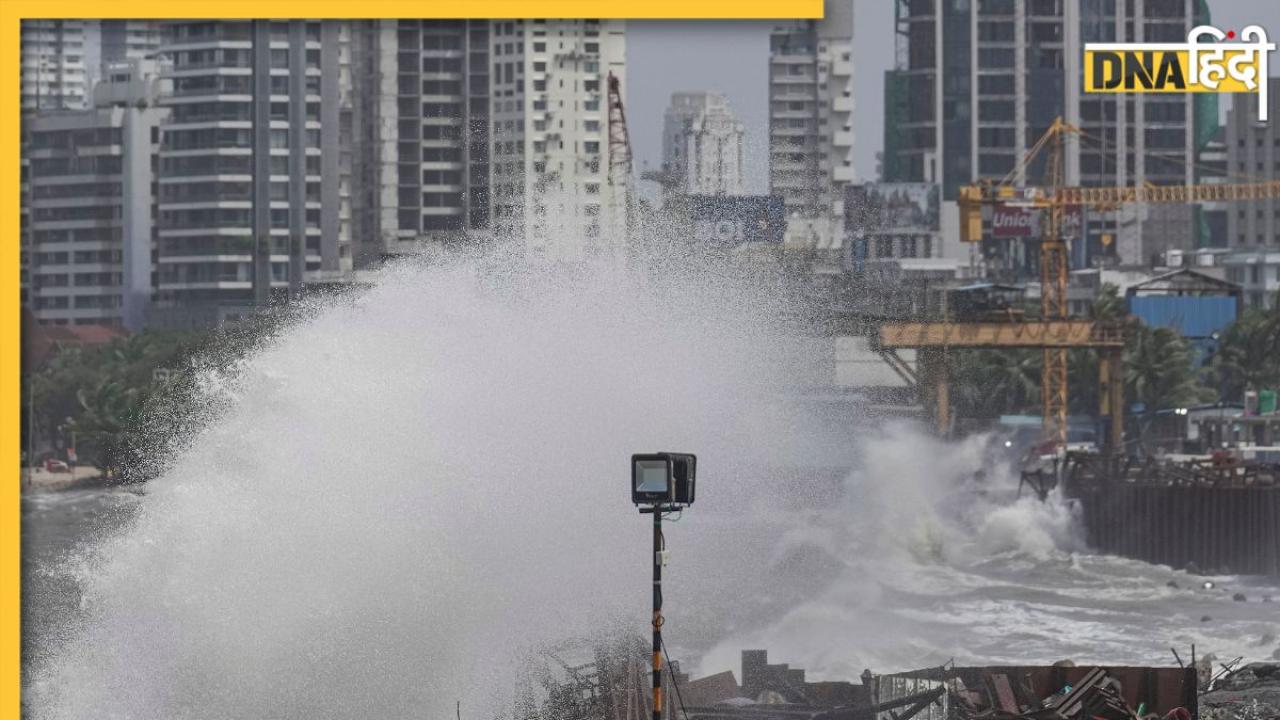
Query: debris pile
x: 1097, y: 695
x: 1251, y: 692
x: 1059, y: 692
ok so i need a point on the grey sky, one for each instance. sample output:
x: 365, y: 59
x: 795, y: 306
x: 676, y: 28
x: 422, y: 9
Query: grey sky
x: 732, y: 57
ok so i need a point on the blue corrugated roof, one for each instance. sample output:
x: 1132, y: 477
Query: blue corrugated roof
x: 1193, y: 317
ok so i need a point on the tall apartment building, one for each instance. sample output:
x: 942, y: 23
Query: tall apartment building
x: 551, y: 186
x: 127, y: 39
x: 1253, y: 227
x: 463, y: 131
x: 810, y: 118
x: 246, y: 194
x: 420, y: 133
x: 53, y: 65
x: 702, y: 145
x: 1253, y: 155
x: 91, y: 197
x: 977, y: 83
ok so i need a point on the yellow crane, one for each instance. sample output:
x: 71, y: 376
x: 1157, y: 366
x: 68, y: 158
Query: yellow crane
x: 1054, y: 200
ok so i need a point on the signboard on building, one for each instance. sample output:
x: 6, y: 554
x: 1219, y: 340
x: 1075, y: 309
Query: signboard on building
x: 892, y: 208
x: 1014, y: 221
x: 730, y: 220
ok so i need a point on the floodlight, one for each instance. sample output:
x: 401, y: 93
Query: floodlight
x: 663, y: 478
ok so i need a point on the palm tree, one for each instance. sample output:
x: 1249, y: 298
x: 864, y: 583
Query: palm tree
x: 993, y: 382
x: 1249, y: 353
x: 1158, y: 370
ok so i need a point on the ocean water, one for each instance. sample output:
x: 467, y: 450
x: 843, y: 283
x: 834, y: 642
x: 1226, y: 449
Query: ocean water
x: 393, y: 501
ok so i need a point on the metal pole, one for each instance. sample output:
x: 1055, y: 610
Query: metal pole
x: 657, y: 613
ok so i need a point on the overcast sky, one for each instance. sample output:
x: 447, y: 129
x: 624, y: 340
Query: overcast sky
x: 732, y: 57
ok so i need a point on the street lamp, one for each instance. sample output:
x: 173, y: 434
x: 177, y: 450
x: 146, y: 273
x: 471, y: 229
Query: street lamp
x: 661, y: 482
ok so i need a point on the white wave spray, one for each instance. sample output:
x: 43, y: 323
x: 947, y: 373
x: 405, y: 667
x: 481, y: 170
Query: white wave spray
x: 402, y: 494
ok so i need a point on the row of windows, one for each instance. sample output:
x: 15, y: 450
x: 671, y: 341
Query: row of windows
x: 73, y: 139
x: 108, y: 234
x: 87, y: 165
x: 208, y: 138
x: 90, y: 212
x: 81, y: 302
x: 78, y: 190
x: 230, y: 218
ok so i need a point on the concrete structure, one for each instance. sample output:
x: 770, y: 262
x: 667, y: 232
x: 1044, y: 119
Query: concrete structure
x: 1253, y: 152
x: 702, y: 145
x: 92, y: 202
x: 420, y: 133
x: 249, y: 166
x: 977, y: 83
x: 551, y: 153
x: 53, y: 65
x: 1259, y: 273
x: 810, y: 118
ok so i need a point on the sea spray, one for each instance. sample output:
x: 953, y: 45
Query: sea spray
x: 398, y: 494
x: 391, y: 504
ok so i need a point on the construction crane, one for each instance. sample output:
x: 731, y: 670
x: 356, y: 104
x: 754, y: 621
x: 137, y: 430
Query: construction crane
x: 1054, y: 200
x: 619, y: 138
x: 620, y: 163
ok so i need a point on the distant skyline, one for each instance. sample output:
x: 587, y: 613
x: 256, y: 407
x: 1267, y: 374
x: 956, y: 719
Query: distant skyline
x: 732, y: 57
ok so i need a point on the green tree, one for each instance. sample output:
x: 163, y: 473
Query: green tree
x: 1249, y: 354
x: 987, y: 383
x: 110, y: 413
x: 1158, y: 370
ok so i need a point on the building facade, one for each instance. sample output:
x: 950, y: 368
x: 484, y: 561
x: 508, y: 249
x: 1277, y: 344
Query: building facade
x: 91, y: 197
x: 53, y: 65
x: 702, y: 145
x: 127, y: 39
x: 810, y: 118
x: 244, y: 185
x: 420, y: 124
x: 551, y: 188
x: 1253, y: 155
x: 976, y: 84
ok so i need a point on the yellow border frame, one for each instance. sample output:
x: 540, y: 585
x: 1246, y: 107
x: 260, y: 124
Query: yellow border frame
x: 11, y: 14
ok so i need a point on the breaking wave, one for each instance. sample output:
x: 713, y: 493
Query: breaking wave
x: 397, y: 497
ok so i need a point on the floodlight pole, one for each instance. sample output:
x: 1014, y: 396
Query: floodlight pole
x: 657, y: 612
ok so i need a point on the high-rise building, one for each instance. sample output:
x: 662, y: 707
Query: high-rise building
x: 810, y: 118
x: 127, y: 39
x: 551, y: 156
x: 53, y: 65
x: 249, y: 166
x: 91, y: 199
x: 1253, y: 227
x: 976, y: 84
x: 420, y: 133
x: 1253, y: 155
x: 702, y: 145
x: 465, y: 131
